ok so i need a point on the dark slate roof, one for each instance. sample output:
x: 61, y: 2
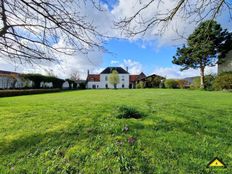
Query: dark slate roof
x: 7, y: 72
x: 109, y: 70
x: 153, y: 75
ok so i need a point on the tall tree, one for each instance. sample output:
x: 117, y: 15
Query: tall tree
x: 114, y: 78
x: 205, y: 46
x: 34, y: 30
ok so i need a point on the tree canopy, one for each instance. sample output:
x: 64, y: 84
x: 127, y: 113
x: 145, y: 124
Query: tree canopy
x: 114, y: 78
x: 205, y: 46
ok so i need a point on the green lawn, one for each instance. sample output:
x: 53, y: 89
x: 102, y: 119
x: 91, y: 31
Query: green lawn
x: 78, y: 132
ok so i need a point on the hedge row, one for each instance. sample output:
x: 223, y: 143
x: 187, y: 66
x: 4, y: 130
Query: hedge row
x: 9, y: 93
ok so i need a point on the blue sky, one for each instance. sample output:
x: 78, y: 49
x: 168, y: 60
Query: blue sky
x: 149, y: 56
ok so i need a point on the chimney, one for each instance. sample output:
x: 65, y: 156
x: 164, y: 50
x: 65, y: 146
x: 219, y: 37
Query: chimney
x: 127, y: 68
x: 87, y: 72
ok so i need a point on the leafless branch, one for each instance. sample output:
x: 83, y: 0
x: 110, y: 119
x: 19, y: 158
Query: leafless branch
x: 194, y: 11
x: 33, y: 29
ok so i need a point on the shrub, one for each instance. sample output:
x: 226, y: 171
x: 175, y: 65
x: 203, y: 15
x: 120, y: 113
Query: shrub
x: 182, y: 83
x: 82, y: 86
x: 195, y: 83
x: 209, y: 79
x: 223, y: 81
x: 140, y: 85
x: 153, y: 81
x: 38, y: 78
x: 9, y: 93
x: 129, y: 112
x: 170, y: 83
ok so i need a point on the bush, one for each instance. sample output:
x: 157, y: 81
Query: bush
x: 223, y: 81
x: 209, y: 79
x: 140, y: 85
x: 129, y: 112
x: 153, y: 81
x: 182, y: 83
x: 9, y: 93
x: 82, y: 86
x: 38, y: 78
x: 170, y: 83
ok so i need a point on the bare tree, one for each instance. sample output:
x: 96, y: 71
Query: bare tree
x: 75, y: 76
x: 192, y: 10
x: 31, y: 30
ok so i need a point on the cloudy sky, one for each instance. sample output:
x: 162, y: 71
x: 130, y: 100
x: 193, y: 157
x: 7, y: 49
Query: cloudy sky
x: 150, y: 53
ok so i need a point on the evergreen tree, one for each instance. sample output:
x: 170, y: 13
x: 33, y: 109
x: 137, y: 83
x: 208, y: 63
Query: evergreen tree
x: 206, y: 46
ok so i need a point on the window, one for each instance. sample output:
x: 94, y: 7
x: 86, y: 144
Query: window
x: 94, y: 86
x: 123, y: 78
x: 106, y: 78
x: 122, y: 85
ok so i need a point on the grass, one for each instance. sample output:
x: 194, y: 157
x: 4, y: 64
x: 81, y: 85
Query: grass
x: 79, y: 132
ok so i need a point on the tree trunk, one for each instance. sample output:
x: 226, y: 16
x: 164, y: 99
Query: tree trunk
x: 202, y: 73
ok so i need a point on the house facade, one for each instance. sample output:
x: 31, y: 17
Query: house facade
x: 101, y: 81
x: 10, y: 79
x: 226, y: 66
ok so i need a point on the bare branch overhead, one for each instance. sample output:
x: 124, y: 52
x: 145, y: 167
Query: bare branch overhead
x: 32, y: 30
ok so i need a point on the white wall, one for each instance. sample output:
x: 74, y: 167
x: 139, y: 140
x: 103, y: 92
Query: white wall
x: 103, y: 81
x: 91, y: 83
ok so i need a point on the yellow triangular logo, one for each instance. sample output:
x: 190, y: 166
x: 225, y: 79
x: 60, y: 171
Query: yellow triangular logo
x: 216, y: 163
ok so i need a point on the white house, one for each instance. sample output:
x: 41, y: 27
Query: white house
x: 101, y: 80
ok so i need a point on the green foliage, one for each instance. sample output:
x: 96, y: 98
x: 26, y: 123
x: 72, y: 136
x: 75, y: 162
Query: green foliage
x: 182, y: 83
x: 195, y: 83
x: 114, y: 78
x: 170, y: 83
x: 203, y: 47
x: 129, y: 112
x: 140, y: 85
x: 153, y: 82
x: 223, y: 81
x: 9, y: 93
x: 77, y: 132
x: 209, y: 80
x: 82, y: 86
x: 38, y: 78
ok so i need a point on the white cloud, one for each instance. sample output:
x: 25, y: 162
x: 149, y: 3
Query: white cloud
x: 114, y: 62
x: 175, y: 73
x: 134, y: 67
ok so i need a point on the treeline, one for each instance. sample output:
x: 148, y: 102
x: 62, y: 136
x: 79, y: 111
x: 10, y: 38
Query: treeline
x: 37, y: 79
x: 223, y: 81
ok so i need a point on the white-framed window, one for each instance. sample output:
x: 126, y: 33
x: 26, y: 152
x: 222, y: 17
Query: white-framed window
x: 123, y: 79
x: 106, y: 78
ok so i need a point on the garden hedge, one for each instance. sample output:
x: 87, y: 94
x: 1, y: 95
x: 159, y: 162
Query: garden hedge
x: 9, y: 93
